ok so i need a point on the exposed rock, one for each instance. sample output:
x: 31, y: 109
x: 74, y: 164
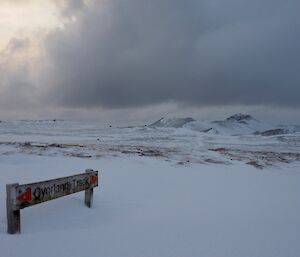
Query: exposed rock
x: 240, y: 117
x: 274, y: 132
x: 172, y: 122
x: 255, y: 164
x: 207, y: 130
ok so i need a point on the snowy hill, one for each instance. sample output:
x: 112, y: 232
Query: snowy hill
x: 237, y: 124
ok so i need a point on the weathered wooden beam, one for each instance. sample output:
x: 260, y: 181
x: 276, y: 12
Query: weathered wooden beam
x: 88, y: 194
x: 35, y: 193
x: 13, y: 216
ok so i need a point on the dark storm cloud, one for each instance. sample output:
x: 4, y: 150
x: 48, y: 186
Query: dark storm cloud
x: 123, y: 53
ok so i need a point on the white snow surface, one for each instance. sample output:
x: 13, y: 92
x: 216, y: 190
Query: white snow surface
x: 163, y: 192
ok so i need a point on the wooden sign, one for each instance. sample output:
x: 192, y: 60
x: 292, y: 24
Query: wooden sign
x: 22, y: 196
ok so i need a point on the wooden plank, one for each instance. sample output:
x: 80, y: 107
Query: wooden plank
x: 88, y: 194
x: 13, y: 216
x: 35, y: 193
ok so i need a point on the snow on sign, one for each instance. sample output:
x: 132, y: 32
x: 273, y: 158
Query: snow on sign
x: 22, y: 196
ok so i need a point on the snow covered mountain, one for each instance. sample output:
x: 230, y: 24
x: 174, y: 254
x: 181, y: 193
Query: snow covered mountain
x: 237, y: 124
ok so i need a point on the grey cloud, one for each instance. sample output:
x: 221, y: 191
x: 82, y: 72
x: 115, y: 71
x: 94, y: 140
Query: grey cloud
x: 17, y: 90
x: 70, y: 7
x: 126, y: 53
x: 16, y: 44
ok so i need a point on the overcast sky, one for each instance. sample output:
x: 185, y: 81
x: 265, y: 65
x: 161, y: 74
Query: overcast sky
x: 141, y: 59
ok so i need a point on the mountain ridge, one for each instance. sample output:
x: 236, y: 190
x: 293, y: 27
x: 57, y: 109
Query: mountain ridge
x: 236, y: 124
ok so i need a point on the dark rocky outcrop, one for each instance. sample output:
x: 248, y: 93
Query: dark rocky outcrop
x: 240, y: 117
x: 274, y: 132
x: 171, y: 122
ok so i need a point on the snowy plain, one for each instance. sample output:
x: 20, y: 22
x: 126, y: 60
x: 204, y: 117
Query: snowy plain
x: 163, y: 191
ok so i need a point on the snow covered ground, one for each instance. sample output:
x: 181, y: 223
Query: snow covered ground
x: 164, y: 191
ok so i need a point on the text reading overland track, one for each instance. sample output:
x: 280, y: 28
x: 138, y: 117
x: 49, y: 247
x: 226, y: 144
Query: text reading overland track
x: 35, y: 193
x: 50, y: 191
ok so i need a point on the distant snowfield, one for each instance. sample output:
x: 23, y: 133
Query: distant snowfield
x: 222, y: 142
x: 163, y: 192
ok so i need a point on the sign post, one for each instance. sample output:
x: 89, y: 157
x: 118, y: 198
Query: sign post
x: 13, y: 216
x: 21, y: 196
x: 88, y: 193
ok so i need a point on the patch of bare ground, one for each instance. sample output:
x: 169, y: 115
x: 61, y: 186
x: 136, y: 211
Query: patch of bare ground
x: 78, y: 150
x: 255, y: 164
x: 258, y: 159
x: 214, y: 161
x: 51, y: 145
x: 80, y: 155
x: 145, y: 151
x: 180, y: 163
x: 64, y: 145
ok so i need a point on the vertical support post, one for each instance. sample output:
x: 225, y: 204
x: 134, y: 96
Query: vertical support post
x: 88, y: 194
x: 13, y: 215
